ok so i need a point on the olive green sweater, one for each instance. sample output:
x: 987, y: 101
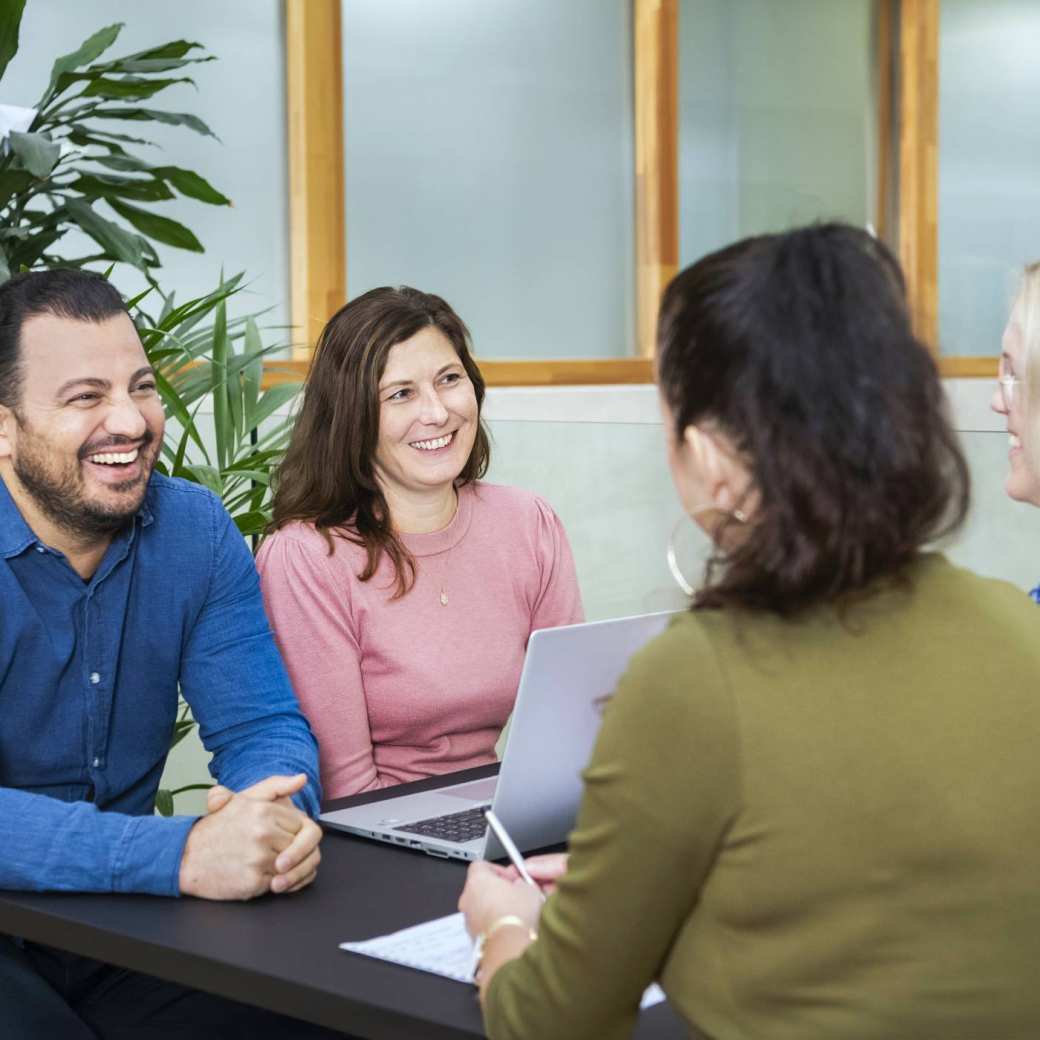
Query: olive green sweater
x: 827, y: 827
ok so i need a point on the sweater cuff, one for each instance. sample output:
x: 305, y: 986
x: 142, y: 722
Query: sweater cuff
x: 149, y: 855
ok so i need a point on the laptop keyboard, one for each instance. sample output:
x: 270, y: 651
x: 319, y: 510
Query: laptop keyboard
x: 460, y: 826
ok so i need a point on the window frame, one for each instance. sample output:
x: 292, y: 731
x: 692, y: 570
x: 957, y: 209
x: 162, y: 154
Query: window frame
x: 908, y: 91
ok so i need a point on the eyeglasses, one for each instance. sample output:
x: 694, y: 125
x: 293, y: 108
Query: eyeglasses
x: 1007, y: 384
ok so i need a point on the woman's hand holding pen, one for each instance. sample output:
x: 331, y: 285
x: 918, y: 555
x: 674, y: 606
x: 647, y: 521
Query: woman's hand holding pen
x: 546, y: 870
x: 495, y: 896
x: 492, y: 893
x: 504, y: 903
x: 502, y: 912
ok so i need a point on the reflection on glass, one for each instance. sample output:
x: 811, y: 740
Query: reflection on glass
x: 777, y: 117
x: 488, y: 158
x: 989, y: 165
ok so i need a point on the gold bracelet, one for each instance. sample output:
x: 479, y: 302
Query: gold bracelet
x: 506, y: 921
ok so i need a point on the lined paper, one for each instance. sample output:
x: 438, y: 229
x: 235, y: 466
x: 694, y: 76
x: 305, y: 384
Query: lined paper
x: 442, y: 947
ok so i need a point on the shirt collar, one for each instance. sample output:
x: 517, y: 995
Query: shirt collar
x: 145, y: 514
x: 16, y: 535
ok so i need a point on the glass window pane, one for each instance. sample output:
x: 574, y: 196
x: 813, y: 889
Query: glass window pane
x: 489, y: 156
x: 777, y: 117
x: 989, y: 165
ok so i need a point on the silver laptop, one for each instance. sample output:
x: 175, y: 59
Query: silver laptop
x: 567, y: 673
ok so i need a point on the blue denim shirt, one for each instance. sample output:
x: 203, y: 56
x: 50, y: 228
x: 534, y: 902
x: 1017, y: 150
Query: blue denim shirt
x: 89, y: 674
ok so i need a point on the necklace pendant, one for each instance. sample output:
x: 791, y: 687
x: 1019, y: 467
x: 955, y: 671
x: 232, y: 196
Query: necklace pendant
x: 444, y: 598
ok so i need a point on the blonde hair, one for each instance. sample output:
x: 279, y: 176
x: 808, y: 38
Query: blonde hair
x: 1027, y: 311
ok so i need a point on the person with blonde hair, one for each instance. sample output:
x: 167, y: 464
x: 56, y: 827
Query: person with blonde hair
x: 1018, y: 383
x: 1018, y: 388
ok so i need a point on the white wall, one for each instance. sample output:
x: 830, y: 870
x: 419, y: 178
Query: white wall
x: 597, y: 454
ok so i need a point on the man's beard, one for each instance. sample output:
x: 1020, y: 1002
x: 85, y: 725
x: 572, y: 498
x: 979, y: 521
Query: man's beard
x: 60, y: 495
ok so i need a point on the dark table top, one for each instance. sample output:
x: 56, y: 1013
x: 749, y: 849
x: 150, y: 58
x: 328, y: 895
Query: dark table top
x: 281, y: 952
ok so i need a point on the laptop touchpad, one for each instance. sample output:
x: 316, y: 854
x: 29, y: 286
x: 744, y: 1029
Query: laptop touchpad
x: 478, y: 791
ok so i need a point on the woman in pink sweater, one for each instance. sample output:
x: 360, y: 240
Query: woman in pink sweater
x: 401, y: 588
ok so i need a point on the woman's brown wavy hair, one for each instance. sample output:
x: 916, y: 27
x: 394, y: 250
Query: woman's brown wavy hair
x: 327, y: 477
x: 799, y: 347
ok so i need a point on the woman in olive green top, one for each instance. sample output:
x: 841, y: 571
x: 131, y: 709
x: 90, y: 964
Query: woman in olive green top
x: 812, y: 808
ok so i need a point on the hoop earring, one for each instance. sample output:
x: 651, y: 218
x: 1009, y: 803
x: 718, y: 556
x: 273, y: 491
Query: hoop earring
x: 673, y: 562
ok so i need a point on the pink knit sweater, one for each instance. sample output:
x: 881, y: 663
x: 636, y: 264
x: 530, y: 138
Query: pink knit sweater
x: 396, y: 690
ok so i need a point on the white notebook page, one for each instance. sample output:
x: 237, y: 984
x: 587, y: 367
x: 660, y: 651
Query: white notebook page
x: 443, y: 947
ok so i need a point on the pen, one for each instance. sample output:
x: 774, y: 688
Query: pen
x: 513, y: 852
x: 518, y: 861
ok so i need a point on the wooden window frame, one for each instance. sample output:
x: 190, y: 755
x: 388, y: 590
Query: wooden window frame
x: 918, y: 71
x: 908, y: 81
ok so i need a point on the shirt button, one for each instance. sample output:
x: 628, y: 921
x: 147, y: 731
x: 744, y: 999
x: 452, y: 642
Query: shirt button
x: 97, y: 762
x: 95, y: 678
x: 41, y: 548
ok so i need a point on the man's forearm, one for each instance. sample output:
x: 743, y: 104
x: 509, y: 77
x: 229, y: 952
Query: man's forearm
x: 50, y: 845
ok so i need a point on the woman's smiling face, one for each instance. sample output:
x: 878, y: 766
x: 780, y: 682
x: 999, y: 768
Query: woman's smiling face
x: 1011, y: 400
x: 428, y: 415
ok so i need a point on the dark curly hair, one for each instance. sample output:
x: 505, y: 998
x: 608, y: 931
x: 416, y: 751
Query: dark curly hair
x: 799, y: 347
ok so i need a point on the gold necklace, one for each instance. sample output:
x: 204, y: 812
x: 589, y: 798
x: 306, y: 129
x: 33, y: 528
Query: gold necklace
x: 447, y: 553
x: 441, y: 582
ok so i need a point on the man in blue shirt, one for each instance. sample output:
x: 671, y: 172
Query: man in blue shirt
x: 118, y: 586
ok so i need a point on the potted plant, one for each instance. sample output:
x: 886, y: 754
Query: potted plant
x: 69, y: 162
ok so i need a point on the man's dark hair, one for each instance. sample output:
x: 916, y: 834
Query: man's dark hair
x: 798, y: 347
x: 63, y: 292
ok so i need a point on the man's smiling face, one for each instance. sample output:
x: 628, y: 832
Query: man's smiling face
x: 88, y: 426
